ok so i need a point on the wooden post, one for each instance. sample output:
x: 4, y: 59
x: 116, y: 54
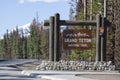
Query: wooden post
x: 105, y: 31
x: 104, y: 39
x: 56, y: 37
x: 51, y: 39
x: 98, y: 40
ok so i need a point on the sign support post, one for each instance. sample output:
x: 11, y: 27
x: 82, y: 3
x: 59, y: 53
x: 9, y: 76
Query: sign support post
x: 104, y: 39
x: 51, y: 39
x: 98, y: 40
x: 56, y: 37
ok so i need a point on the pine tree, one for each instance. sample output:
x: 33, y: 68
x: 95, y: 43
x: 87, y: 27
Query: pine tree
x: 5, y: 46
x: 44, y: 42
x: 1, y: 49
x: 34, y: 40
x: 15, y: 46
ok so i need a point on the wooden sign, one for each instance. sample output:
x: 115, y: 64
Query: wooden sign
x: 77, y: 39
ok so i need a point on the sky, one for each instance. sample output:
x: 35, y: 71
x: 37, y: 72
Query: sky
x: 20, y: 12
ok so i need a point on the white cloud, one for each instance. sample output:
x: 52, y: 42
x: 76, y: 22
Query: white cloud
x: 21, y: 1
x: 46, y: 1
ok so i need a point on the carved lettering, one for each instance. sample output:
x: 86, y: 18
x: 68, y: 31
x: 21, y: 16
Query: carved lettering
x: 70, y: 40
x: 77, y: 39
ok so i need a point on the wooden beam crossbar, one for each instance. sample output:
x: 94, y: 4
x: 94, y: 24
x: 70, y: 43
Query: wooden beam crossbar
x: 77, y: 23
x: 73, y: 23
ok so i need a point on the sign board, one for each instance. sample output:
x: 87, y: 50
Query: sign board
x: 77, y: 39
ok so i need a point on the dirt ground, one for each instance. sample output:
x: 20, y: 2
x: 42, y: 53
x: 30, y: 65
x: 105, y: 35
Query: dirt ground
x: 102, y: 77
x: 29, y: 66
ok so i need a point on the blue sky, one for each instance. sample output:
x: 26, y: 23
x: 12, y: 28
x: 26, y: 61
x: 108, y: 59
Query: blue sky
x: 20, y: 12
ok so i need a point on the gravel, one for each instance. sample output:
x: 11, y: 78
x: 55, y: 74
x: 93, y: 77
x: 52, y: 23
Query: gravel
x: 102, y: 77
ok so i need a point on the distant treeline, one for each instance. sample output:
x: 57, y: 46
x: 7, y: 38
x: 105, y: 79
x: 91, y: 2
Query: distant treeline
x: 24, y: 46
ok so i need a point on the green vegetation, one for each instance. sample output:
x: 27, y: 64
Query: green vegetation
x: 15, y: 45
x: 84, y: 13
x: 113, y: 31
